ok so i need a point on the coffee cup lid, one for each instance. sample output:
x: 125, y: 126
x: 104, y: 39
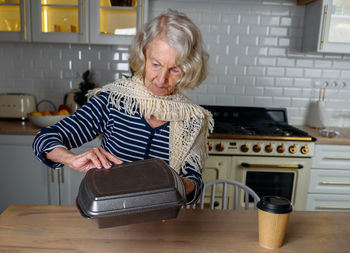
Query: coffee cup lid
x: 275, y: 204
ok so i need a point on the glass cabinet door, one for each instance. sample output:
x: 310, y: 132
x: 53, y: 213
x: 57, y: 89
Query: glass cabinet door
x: 335, y: 32
x: 339, y: 22
x: 116, y: 21
x: 327, y: 26
x: 60, y: 20
x: 14, y: 20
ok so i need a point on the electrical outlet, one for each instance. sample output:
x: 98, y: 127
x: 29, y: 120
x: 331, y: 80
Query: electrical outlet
x: 332, y: 84
x: 318, y: 83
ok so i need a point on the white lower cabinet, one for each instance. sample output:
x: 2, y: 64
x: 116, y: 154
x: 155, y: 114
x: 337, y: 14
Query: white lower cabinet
x: 329, y: 188
x: 328, y: 202
x: 25, y: 180
x: 64, y: 182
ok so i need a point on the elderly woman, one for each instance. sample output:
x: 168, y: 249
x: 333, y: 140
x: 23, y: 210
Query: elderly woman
x: 145, y: 116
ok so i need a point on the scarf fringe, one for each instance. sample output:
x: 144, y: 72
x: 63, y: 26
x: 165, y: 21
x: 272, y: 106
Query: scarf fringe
x: 187, y: 119
x: 168, y: 108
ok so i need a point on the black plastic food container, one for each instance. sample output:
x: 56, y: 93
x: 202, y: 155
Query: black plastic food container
x: 134, y: 192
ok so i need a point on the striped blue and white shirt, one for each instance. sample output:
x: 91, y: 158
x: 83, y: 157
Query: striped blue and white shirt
x: 129, y: 137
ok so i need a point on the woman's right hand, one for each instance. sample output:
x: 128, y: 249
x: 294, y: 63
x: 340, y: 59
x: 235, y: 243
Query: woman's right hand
x: 94, y: 158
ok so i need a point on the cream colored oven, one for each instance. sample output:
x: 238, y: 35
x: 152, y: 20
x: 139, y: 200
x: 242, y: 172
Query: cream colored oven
x: 267, y: 174
x: 257, y: 147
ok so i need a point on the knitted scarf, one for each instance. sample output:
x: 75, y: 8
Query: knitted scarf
x: 189, y: 123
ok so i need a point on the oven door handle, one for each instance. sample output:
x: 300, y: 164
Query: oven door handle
x: 278, y: 166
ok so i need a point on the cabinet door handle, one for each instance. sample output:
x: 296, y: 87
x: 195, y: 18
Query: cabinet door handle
x: 324, y: 24
x: 62, y: 175
x: 334, y: 207
x: 52, y: 175
x: 279, y: 166
x: 82, y: 23
x: 335, y: 183
x: 337, y: 158
x: 216, y: 170
x: 24, y: 22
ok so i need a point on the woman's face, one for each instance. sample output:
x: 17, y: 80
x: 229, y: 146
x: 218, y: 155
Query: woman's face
x: 161, y: 73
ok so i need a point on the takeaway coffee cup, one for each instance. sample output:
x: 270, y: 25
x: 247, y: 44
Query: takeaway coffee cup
x: 273, y: 215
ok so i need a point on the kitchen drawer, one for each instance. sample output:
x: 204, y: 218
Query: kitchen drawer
x: 329, y: 181
x: 328, y: 202
x: 331, y: 157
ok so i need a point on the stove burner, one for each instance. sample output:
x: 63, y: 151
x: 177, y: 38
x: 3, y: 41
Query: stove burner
x: 253, y: 121
x: 228, y: 128
x: 244, y: 130
x: 262, y: 130
x: 279, y: 132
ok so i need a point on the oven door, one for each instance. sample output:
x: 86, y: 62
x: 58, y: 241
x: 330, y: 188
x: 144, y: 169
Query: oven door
x: 279, y: 176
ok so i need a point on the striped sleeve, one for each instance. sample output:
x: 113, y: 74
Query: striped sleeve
x: 196, y: 176
x: 73, y: 131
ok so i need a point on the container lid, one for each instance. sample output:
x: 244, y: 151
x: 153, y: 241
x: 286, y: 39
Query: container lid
x: 130, y: 187
x: 275, y: 204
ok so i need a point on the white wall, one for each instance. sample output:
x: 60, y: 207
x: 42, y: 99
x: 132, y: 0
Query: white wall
x: 256, y: 60
x: 49, y: 71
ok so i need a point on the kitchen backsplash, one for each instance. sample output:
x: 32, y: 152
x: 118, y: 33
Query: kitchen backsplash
x: 255, y: 60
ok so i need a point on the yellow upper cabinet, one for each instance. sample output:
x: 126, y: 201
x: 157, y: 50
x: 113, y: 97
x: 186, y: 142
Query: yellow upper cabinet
x: 72, y: 21
x: 60, y: 16
x: 13, y: 23
x: 10, y: 13
x: 119, y: 20
x: 116, y: 20
x: 60, y: 20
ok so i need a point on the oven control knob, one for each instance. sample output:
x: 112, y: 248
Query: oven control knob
x: 292, y: 149
x: 210, y: 146
x: 269, y: 148
x: 280, y: 148
x: 304, y: 149
x: 244, y: 148
x: 219, y: 147
x: 257, y: 148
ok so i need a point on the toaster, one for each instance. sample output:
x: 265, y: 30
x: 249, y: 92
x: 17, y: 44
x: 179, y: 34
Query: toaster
x: 16, y: 105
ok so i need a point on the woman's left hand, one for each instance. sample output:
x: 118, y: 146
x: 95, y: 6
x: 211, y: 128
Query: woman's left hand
x: 189, y: 185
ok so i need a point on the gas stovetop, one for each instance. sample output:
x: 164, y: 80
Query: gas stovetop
x: 254, y: 123
x: 260, y: 130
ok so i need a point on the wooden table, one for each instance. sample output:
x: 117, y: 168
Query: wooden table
x: 34, y: 228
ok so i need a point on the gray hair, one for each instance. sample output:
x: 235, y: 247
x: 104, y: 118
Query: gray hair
x: 183, y: 35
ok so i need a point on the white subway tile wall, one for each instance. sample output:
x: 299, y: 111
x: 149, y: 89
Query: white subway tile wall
x: 49, y: 71
x: 255, y: 60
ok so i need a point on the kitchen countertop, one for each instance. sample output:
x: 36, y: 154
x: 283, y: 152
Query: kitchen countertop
x: 18, y: 127
x: 342, y: 139
x: 36, y: 228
